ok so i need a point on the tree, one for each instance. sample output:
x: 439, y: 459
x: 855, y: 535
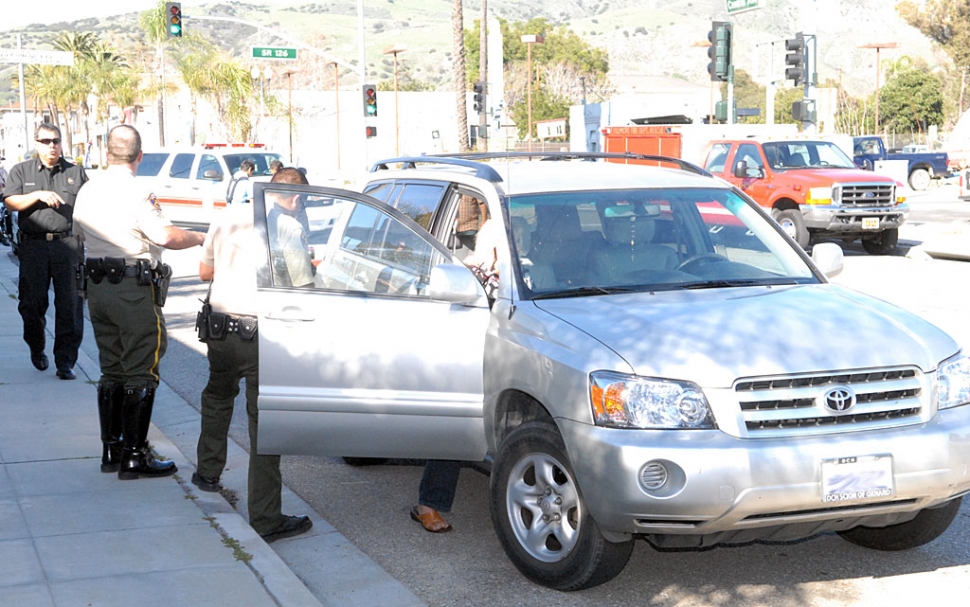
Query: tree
x: 747, y: 94
x: 457, y: 34
x: 911, y: 100
x: 945, y: 21
x: 784, y: 98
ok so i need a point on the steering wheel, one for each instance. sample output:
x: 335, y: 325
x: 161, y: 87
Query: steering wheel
x: 698, y: 260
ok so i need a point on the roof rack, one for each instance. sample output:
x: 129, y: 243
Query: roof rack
x: 471, y: 160
x: 481, y: 170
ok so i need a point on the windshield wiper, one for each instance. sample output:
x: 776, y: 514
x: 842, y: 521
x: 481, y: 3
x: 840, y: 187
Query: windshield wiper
x: 740, y: 282
x: 583, y: 291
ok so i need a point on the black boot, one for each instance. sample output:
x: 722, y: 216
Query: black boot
x: 137, y: 459
x: 110, y: 402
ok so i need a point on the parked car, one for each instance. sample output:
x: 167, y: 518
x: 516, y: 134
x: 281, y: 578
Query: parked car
x: 191, y: 184
x: 659, y: 361
x: 923, y: 165
x: 813, y: 190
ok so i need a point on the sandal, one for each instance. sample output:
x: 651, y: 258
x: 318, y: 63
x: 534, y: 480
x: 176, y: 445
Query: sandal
x: 431, y: 521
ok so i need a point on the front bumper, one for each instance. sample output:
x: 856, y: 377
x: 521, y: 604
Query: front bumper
x: 848, y: 220
x: 730, y: 488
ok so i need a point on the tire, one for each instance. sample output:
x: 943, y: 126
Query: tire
x: 883, y: 243
x: 928, y: 525
x: 792, y: 223
x: 540, y: 518
x: 919, y: 179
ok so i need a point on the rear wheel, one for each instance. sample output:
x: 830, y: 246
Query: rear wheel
x: 540, y: 518
x: 883, y: 243
x: 928, y: 525
x: 792, y: 223
x: 919, y: 179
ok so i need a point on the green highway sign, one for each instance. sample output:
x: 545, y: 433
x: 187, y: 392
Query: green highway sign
x: 265, y: 52
x: 739, y: 6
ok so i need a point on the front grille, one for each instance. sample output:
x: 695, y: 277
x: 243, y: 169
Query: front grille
x: 796, y: 404
x: 867, y: 195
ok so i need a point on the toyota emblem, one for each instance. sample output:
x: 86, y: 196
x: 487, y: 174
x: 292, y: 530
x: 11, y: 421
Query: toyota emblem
x: 839, y: 400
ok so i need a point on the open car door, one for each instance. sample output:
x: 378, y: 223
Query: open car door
x: 371, y: 338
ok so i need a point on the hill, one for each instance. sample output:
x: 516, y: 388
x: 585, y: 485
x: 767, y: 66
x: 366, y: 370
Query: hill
x: 648, y: 37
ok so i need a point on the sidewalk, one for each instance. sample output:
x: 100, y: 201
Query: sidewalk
x: 72, y: 536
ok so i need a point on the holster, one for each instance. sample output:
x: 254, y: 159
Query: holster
x: 162, y: 277
x: 202, y: 321
x: 81, y: 276
x: 114, y: 269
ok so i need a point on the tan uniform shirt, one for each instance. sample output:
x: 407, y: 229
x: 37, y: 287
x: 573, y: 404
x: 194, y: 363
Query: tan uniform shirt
x: 233, y: 249
x: 118, y: 216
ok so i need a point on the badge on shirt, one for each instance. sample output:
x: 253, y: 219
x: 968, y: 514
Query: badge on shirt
x: 70, y: 181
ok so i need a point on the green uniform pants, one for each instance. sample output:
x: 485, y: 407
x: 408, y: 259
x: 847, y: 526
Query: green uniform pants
x: 130, y: 331
x: 231, y: 360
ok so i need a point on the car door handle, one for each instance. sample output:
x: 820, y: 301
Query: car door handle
x: 290, y: 315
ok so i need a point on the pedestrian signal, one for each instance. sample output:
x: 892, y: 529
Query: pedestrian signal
x: 371, y: 131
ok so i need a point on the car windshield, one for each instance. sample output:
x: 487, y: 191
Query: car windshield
x: 607, y: 241
x: 784, y: 155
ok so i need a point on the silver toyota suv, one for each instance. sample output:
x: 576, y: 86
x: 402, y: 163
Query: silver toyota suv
x: 658, y: 360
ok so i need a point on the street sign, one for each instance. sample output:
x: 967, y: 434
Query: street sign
x: 739, y: 6
x: 265, y: 52
x: 22, y: 55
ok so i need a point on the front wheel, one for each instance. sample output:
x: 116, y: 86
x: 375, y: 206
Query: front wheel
x: 883, y: 243
x: 540, y: 518
x: 928, y: 525
x: 919, y: 179
x: 792, y: 223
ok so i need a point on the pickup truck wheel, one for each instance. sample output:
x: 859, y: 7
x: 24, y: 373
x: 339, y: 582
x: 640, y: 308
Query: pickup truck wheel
x: 928, y: 525
x: 792, y: 223
x: 883, y: 243
x: 919, y: 179
x: 540, y: 518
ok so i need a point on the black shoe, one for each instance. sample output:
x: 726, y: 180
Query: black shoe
x: 206, y: 483
x: 40, y: 361
x: 66, y: 373
x: 291, y: 525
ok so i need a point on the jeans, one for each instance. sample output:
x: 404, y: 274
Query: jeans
x: 438, y: 484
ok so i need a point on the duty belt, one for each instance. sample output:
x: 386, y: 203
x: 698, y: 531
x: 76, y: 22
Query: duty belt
x: 48, y: 236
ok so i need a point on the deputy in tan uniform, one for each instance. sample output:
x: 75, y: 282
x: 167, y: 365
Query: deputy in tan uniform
x: 124, y: 232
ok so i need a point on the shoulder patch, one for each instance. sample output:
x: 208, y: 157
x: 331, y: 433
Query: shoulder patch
x: 154, y: 200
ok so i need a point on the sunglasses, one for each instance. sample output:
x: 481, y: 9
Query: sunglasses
x: 49, y: 141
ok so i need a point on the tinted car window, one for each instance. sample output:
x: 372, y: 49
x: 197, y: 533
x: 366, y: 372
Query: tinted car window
x: 419, y: 202
x: 207, y: 163
x: 260, y: 159
x: 182, y: 166
x: 379, y: 191
x: 151, y: 164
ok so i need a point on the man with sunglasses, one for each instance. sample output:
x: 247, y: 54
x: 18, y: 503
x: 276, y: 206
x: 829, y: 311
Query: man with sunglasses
x: 43, y: 190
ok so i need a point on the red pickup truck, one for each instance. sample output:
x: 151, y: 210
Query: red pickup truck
x: 813, y: 188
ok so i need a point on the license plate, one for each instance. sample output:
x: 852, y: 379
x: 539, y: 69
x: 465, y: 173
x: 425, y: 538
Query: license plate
x: 870, y: 223
x: 857, y: 478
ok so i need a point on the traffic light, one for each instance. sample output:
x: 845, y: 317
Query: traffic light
x: 370, y: 100
x: 371, y: 131
x: 720, y: 51
x: 173, y: 16
x: 795, y: 59
x: 479, y: 88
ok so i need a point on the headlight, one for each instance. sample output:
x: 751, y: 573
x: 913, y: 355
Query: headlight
x: 821, y: 195
x: 953, y: 383
x: 628, y: 401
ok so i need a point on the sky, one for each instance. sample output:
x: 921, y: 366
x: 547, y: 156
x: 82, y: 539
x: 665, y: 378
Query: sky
x: 17, y: 14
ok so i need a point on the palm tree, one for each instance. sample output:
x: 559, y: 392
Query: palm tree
x: 458, y: 37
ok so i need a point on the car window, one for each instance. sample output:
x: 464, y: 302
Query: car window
x: 419, y: 201
x: 717, y: 157
x: 260, y: 159
x: 208, y: 162
x: 346, y: 245
x: 379, y: 191
x: 182, y: 166
x: 151, y: 164
x: 749, y: 154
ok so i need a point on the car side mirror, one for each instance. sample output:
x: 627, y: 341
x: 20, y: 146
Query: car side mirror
x: 212, y: 174
x: 455, y: 283
x: 741, y: 169
x: 829, y: 259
